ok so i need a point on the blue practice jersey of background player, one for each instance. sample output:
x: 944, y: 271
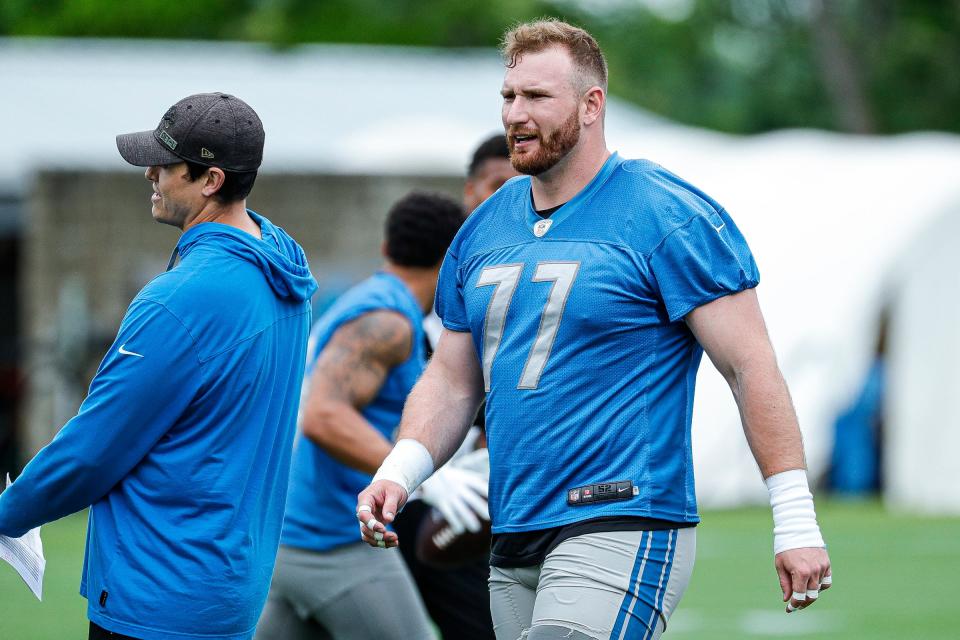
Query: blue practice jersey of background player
x: 588, y: 365
x: 323, y: 491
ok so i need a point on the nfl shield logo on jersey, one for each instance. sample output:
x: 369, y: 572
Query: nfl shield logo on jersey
x: 541, y: 227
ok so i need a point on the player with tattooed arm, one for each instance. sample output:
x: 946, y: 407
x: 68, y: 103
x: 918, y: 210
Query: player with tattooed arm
x: 364, y: 355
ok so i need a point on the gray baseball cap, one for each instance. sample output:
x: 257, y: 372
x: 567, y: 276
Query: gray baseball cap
x: 212, y: 129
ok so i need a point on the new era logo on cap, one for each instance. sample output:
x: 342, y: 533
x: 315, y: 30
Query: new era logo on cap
x: 206, y: 153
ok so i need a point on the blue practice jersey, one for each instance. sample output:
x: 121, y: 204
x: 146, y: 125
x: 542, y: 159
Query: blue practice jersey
x: 323, y: 492
x: 578, y: 324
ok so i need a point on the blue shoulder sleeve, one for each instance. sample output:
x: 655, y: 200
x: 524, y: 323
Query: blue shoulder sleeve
x: 449, y: 302
x: 143, y: 385
x: 705, y: 259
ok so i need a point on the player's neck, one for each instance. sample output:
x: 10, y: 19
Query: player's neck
x: 233, y: 214
x: 421, y: 281
x: 568, y: 177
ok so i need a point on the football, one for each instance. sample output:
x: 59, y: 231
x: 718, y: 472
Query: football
x: 440, y: 548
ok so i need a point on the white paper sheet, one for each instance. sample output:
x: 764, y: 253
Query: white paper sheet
x: 25, y: 554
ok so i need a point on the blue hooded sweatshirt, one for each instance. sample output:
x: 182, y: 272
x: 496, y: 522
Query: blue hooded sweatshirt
x: 182, y: 446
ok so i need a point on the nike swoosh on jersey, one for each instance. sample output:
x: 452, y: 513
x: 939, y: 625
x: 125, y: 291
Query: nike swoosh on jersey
x: 128, y: 353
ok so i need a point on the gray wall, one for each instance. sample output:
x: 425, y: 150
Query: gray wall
x: 90, y: 244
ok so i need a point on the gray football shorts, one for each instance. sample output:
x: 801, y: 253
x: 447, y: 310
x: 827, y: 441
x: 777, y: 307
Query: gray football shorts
x: 619, y: 585
x: 354, y: 591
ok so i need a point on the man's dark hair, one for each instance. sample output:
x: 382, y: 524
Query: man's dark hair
x: 420, y: 227
x: 236, y: 184
x: 493, y: 147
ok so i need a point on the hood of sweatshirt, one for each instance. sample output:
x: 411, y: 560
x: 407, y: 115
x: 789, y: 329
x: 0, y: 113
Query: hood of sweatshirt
x: 278, y: 256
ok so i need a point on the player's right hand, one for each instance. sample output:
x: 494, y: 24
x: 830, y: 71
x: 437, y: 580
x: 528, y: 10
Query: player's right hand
x: 804, y: 573
x: 378, y: 506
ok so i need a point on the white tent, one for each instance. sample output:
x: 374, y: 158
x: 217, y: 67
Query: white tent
x: 336, y: 109
x: 924, y: 365
x: 826, y: 215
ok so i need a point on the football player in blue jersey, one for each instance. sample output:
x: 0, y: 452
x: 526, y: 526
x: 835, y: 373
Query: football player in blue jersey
x: 579, y: 299
x: 365, y: 354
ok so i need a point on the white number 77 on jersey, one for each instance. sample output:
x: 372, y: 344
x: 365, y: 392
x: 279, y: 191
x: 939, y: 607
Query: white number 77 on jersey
x: 505, y: 277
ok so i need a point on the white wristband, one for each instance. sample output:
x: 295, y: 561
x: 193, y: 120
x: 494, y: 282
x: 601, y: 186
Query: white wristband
x: 409, y: 464
x: 794, y: 519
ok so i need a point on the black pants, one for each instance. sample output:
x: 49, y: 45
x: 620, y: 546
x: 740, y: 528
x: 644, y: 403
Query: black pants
x: 458, y: 600
x: 99, y: 633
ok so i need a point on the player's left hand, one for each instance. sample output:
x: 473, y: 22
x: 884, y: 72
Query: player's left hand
x: 804, y: 573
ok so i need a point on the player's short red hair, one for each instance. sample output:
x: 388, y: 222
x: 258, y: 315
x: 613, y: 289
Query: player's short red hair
x: 532, y: 37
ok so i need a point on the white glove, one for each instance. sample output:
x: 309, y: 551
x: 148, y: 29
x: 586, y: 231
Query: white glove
x: 477, y: 460
x: 459, y: 492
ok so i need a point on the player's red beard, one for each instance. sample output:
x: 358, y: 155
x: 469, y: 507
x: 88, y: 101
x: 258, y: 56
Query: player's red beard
x: 552, y: 148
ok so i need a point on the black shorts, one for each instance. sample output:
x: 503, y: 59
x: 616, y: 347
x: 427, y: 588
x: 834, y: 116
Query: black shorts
x: 99, y: 633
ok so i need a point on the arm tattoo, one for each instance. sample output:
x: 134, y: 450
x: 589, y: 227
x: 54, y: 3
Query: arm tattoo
x: 355, y: 362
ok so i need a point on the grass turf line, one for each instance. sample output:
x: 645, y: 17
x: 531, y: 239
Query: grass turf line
x: 894, y: 578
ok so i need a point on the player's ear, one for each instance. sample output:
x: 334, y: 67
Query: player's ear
x: 383, y: 248
x: 592, y: 105
x: 212, y: 181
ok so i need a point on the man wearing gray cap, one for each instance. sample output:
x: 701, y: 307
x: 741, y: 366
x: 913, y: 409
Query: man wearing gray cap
x: 182, y: 447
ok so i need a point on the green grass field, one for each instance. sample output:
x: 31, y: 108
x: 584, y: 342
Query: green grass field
x: 894, y: 577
